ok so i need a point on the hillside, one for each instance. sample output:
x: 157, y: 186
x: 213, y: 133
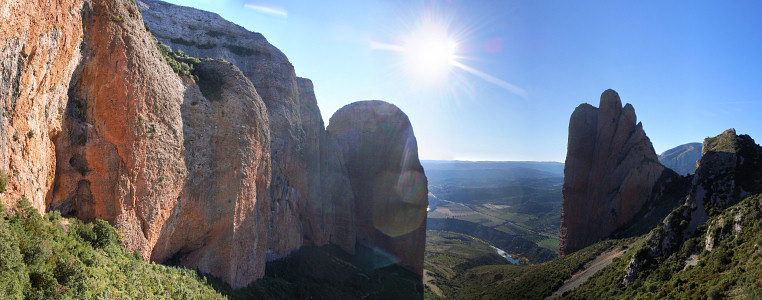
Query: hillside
x: 681, y: 159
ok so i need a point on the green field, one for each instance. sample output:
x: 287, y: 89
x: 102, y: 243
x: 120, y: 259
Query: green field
x: 522, y: 199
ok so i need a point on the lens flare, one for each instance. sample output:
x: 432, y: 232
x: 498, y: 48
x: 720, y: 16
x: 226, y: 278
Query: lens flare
x: 434, y: 53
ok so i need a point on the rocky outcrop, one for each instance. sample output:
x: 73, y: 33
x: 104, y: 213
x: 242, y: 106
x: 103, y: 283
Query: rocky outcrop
x: 682, y: 159
x: 730, y: 169
x: 610, y: 172
x: 39, y: 49
x: 381, y: 154
x: 175, y: 170
x: 301, y: 208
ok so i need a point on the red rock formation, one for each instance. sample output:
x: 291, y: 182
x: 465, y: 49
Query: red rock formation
x: 39, y: 49
x: 381, y: 154
x: 176, y: 171
x: 610, y: 172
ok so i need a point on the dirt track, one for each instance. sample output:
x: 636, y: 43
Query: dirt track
x: 591, y: 268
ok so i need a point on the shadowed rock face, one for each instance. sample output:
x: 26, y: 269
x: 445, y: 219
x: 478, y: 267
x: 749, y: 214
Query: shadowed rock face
x: 610, y: 172
x: 300, y: 211
x: 381, y: 155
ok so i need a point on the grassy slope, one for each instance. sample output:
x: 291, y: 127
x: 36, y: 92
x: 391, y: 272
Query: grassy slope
x: 449, y: 254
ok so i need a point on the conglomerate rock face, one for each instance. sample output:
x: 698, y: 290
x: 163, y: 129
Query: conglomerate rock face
x: 223, y: 171
x: 176, y: 171
x: 610, y: 172
x: 39, y: 49
x: 381, y: 155
x: 298, y: 199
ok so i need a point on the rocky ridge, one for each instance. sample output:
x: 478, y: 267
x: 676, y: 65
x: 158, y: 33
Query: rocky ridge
x: 611, y: 171
x: 730, y: 169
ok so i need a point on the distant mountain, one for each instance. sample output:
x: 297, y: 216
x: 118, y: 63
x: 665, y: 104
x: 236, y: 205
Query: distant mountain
x: 682, y: 159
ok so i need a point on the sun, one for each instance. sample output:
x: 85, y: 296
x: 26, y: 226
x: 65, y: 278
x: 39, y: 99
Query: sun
x: 429, y: 54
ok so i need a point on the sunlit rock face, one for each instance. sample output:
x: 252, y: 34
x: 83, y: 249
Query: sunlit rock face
x: 39, y: 49
x: 177, y: 171
x: 610, y: 172
x: 380, y: 150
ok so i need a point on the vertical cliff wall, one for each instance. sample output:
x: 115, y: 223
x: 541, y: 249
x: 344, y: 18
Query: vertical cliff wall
x: 301, y: 210
x: 221, y: 169
x: 175, y: 170
x: 610, y: 172
x: 381, y: 153
x: 39, y: 49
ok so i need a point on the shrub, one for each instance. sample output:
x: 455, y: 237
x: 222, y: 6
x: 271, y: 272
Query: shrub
x: 105, y: 234
x: 3, y: 180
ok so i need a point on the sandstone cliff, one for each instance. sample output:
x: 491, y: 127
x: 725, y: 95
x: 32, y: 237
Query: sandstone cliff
x: 682, y: 159
x: 611, y: 170
x: 39, y: 49
x: 387, y: 178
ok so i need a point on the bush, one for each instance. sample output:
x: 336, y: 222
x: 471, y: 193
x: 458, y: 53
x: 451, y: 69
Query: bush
x: 105, y: 234
x: 3, y: 180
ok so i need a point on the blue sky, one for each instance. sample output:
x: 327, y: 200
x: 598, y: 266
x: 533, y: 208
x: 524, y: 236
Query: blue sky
x: 691, y: 69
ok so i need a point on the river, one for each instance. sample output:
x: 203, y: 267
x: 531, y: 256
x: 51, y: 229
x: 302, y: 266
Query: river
x: 505, y: 255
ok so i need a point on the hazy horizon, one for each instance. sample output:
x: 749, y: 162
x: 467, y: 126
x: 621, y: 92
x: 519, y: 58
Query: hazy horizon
x: 498, y: 80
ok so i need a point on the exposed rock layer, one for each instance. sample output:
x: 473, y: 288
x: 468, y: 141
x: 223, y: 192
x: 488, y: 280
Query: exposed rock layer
x: 387, y: 178
x: 610, y: 172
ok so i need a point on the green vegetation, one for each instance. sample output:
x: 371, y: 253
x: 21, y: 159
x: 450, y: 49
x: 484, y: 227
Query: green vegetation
x: 3, y: 180
x: 241, y: 51
x: 117, y: 18
x: 523, y: 203
x: 504, y: 281
x: 513, y: 244
x: 730, y: 269
x: 449, y: 254
x: 180, y: 63
x: 52, y: 257
x: 182, y: 41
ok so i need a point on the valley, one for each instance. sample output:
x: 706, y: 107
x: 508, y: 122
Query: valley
x: 521, y: 199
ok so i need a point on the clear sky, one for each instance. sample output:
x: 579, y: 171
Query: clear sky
x: 498, y: 80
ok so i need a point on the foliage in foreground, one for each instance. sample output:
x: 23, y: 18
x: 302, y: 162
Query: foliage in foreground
x: 731, y: 269
x: 55, y: 258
